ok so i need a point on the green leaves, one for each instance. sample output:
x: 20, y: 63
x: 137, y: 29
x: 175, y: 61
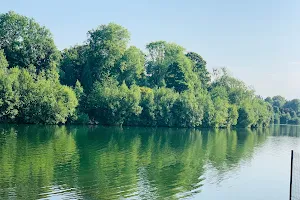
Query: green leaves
x: 163, y: 87
x: 199, y: 66
x: 72, y: 64
x: 107, y: 45
x: 130, y: 66
x: 3, y: 61
x: 285, y: 112
x: 9, y: 94
x: 160, y: 56
x: 25, y: 42
x: 45, y: 101
x: 237, y: 103
x: 111, y: 104
x: 28, y: 100
x: 164, y: 99
x: 176, y: 78
x: 188, y: 110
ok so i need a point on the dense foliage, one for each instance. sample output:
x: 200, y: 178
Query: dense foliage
x: 285, y: 112
x: 104, y: 81
x: 30, y: 90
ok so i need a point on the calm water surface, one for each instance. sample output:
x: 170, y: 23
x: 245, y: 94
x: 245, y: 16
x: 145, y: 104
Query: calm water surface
x: 80, y: 162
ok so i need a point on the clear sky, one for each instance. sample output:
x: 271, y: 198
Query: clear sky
x: 257, y: 40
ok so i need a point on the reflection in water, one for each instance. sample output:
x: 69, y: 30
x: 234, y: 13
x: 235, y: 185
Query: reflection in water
x: 39, y: 162
x: 31, y: 157
x: 285, y: 130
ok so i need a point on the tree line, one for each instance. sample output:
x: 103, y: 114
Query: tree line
x: 285, y: 112
x: 105, y: 81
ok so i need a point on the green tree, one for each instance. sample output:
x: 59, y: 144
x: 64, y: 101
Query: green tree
x: 187, y: 110
x: 221, y: 115
x: 237, y: 90
x: 263, y: 113
x: 176, y: 78
x: 111, y: 104
x: 209, y: 110
x: 164, y: 99
x: 9, y: 94
x: 276, y: 118
x: 120, y: 85
x: 220, y: 101
x: 147, y: 116
x: 80, y: 117
x: 269, y: 100
x: 72, y: 64
x: 78, y: 89
x: 3, y: 61
x: 25, y: 42
x: 199, y: 66
x: 278, y: 101
x: 107, y: 45
x: 293, y: 105
x: 284, y: 118
x: 232, y: 115
x: 130, y: 68
x: 160, y: 56
x: 44, y: 101
x: 246, y: 115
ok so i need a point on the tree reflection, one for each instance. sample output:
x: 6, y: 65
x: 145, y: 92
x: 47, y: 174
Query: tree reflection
x: 28, y: 157
x: 111, y: 163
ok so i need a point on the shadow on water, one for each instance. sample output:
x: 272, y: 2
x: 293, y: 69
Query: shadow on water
x: 39, y: 162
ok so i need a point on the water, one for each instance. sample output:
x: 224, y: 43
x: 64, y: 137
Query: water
x: 80, y: 162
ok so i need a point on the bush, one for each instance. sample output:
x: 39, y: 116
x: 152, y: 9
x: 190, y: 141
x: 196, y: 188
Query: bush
x: 111, y: 104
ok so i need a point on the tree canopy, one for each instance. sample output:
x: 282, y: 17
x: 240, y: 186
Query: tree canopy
x: 26, y: 43
x: 106, y: 81
x: 285, y: 112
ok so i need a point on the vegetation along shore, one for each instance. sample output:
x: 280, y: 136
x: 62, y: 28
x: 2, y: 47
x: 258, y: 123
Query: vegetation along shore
x: 106, y: 81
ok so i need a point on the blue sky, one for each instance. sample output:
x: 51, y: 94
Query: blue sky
x: 258, y: 40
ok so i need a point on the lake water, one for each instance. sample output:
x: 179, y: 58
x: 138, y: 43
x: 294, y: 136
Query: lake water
x: 80, y: 162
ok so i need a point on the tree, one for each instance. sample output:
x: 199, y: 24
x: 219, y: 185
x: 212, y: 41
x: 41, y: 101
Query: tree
x: 237, y: 90
x: 107, y: 45
x: 284, y: 112
x: 130, y: 68
x: 9, y: 94
x: 3, y: 61
x: 209, y: 110
x: 187, y: 110
x: 232, y: 115
x: 160, y: 56
x: 25, y: 42
x: 276, y: 118
x: 72, y: 64
x: 263, y: 113
x: 78, y: 90
x: 117, y: 85
x: 199, y: 66
x: 219, y: 98
x: 147, y: 116
x: 246, y: 116
x: 164, y: 99
x: 176, y: 78
x: 269, y: 100
x: 44, y: 101
x: 284, y: 118
x: 110, y: 104
x: 80, y: 116
x: 29, y: 99
x: 221, y: 115
x: 278, y: 101
x: 293, y: 105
